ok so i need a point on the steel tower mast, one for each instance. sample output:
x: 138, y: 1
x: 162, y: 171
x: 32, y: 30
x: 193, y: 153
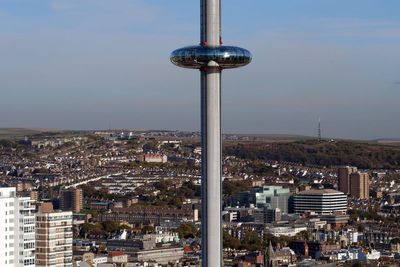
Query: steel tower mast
x: 319, y: 129
x: 210, y: 57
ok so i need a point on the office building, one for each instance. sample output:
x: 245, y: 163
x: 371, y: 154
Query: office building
x: 359, y: 185
x: 272, y: 197
x: 53, y: 237
x: 344, y: 178
x: 325, y: 201
x: 266, y: 215
x: 211, y: 57
x: 17, y: 231
x: 72, y: 200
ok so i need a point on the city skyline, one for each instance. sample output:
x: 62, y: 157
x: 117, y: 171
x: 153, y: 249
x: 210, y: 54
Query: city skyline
x: 80, y: 65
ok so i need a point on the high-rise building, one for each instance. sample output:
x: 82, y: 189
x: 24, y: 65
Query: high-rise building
x: 325, y: 201
x: 53, y: 237
x: 359, y: 185
x: 344, y: 178
x: 72, y: 199
x: 17, y: 229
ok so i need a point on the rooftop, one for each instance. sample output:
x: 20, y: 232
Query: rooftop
x: 115, y: 253
x: 318, y: 192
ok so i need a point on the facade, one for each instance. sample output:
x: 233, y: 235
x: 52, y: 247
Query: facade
x: 159, y: 255
x: 325, y: 201
x: 153, y: 158
x: 238, y: 214
x: 117, y: 258
x: 272, y: 197
x: 90, y: 259
x: 344, y: 178
x: 354, y: 183
x: 53, y: 237
x: 266, y: 215
x: 72, y: 199
x: 359, y: 185
x: 312, y: 248
x: 17, y: 231
x: 286, y: 230
x: 279, y: 257
x: 336, y: 220
x: 149, y: 215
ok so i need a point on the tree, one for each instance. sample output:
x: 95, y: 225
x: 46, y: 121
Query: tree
x: 163, y: 185
x: 230, y: 188
x: 187, y: 230
x: 252, y: 242
x: 90, y: 229
x: 110, y: 226
x: 303, y: 235
x: 6, y: 143
x: 148, y: 229
x: 230, y: 241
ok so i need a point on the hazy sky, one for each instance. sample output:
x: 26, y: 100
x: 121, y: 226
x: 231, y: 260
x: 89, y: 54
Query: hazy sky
x: 87, y: 64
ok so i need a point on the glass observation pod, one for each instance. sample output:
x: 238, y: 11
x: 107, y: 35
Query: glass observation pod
x: 196, y: 57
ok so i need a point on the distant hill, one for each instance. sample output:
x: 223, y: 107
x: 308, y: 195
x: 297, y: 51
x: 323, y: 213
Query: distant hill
x: 364, y: 155
x: 271, y: 137
x: 393, y: 141
x: 11, y: 133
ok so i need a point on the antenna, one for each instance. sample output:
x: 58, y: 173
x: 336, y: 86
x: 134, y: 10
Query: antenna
x: 319, y: 129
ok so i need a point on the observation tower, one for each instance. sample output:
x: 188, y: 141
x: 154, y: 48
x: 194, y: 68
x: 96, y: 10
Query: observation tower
x: 211, y: 57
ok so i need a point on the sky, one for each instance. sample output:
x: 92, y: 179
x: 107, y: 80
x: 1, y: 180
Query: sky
x: 99, y: 64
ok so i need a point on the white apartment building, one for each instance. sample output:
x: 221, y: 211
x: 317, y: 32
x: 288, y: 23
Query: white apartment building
x: 324, y: 201
x: 53, y: 237
x: 17, y: 229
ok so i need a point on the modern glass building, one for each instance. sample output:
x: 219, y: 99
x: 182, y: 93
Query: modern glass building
x: 325, y: 201
x: 271, y: 197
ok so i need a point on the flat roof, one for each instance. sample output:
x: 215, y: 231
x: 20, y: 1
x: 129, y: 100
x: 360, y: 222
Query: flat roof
x: 319, y: 192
